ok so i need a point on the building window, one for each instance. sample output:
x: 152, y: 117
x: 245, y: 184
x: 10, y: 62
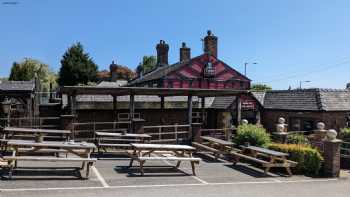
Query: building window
x: 170, y: 84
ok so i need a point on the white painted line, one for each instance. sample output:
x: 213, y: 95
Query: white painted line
x: 99, y: 176
x: 276, y: 180
x: 169, y: 185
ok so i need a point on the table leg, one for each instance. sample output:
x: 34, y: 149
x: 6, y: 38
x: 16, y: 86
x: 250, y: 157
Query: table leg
x: 88, y: 165
x: 289, y: 171
x: 267, y: 169
x: 132, y: 158
x: 193, y: 168
x: 141, y: 167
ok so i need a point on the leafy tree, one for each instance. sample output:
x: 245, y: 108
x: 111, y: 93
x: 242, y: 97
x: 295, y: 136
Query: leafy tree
x: 29, y: 68
x: 148, y: 64
x: 260, y: 87
x: 77, y: 67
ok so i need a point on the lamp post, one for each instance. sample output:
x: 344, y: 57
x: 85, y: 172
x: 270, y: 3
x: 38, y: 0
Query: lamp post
x: 245, y: 67
x: 300, y: 82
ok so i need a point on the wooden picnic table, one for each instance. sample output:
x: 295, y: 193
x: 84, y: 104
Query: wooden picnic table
x: 29, y: 133
x: 21, y: 148
x: 214, y: 145
x: 274, y: 158
x: 118, y: 140
x: 163, y: 152
x: 30, y: 130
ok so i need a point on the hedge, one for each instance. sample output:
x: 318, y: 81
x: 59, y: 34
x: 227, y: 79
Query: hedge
x: 309, y: 159
x: 254, y: 135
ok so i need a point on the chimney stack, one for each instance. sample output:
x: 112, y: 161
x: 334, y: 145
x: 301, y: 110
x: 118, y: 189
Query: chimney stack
x: 185, y: 53
x: 113, y: 71
x: 211, y: 44
x: 162, y: 53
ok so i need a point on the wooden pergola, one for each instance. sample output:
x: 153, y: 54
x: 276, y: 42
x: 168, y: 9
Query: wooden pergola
x: 73, y: 91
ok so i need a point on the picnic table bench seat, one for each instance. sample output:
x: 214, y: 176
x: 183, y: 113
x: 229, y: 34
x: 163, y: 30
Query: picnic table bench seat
x: 276, y: 159
x: 11, y: 160
x: 214, y: 145
x: 163, y: 152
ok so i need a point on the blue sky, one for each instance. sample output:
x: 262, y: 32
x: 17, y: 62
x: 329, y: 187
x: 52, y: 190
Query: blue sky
x: 292, y: 40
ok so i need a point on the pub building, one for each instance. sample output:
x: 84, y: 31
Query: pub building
x: 205, y: 71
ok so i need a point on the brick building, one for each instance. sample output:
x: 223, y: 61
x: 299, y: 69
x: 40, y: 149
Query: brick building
x: 203, y: 71
x: 302, y: 109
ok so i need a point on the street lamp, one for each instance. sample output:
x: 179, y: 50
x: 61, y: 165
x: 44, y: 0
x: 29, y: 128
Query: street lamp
x: 245, y: 67
x: 300, y: 82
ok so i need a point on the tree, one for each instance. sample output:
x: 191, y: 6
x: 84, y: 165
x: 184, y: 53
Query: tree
x: 148, y: 64
x: 77, y: 67
x: 29, y: 68
x: 260, y: 87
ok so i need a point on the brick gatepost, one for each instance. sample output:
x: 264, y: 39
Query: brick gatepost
x: 331, y: 156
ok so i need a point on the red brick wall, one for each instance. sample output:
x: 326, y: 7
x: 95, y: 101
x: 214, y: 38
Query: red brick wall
x: 333, y: 120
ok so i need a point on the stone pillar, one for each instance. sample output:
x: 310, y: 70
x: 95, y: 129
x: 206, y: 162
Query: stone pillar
x: 332, y: 158
x: 67, y: 123
x: 196, y: 132
x: 137, y: 126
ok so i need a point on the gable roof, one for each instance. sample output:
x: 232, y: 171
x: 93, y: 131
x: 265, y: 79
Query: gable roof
x: 222, y: 102
x: 12, y: 86
x: 163, y: 71
x: 306, y: 99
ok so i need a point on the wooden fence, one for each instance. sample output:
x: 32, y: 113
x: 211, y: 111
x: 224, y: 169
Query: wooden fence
x: 176, y: 133
x: 85, y: 131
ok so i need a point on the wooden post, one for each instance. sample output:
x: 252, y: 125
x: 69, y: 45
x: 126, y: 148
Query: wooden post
x: 203, y: 110
x: 239, y: 110
x: 73, y: 104
x: 131, y: 112
x: 115, y: 115
x: 162, y: 103
x: 189, y: 109
x: 132, y: 107
x: 258, y: 117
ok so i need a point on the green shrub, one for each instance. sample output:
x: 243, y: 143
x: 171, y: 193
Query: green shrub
x: 309, y: 159
x: 297, y: 139
x: 345, y: 133
x: 254, y: 135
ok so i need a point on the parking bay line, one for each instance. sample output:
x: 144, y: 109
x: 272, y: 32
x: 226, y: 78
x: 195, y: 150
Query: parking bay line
x: 99, y: 176
x: 168, y: 185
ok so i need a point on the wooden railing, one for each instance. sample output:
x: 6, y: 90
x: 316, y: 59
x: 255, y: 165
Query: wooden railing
x: 224, y: 133
x: 169, y: 133
x: 85, y: 131
x: 345, y: 150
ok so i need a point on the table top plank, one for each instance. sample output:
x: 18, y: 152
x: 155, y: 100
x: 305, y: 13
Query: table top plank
x: 266, y: 151
x: 162, y: 147
x: 131, y: 135
x: 218, y: 141
x: 57, y: 144
x: 31, y: 130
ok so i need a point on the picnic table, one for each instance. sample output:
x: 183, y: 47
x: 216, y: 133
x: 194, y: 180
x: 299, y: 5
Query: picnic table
x: 10, y: 132
x: 118, y: 140
x: 21, y: 148
x: 163, y: 152
x: 29, y: 133
x: 274, y: 158
x: 214, y: 145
